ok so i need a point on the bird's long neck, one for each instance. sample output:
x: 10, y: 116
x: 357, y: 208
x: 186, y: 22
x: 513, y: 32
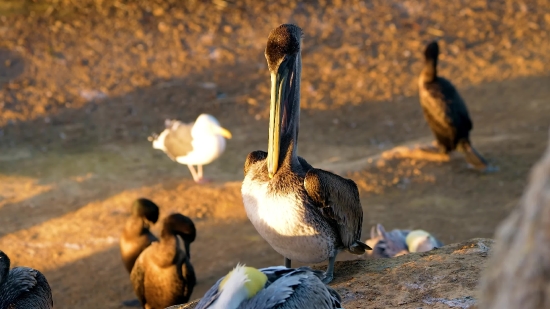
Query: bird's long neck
x: 429, y: 73
x: 291, y: 119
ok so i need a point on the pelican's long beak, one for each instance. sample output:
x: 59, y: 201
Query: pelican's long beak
x: 281, y: 84
x: 224, y: 132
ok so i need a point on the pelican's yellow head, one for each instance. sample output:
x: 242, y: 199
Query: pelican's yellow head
x: 238, y: 285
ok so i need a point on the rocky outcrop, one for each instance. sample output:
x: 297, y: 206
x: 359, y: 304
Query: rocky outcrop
x: 443, y: 278
x: 518, y: 274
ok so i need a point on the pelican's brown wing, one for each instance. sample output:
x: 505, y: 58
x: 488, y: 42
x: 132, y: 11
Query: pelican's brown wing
x: 338, y: 199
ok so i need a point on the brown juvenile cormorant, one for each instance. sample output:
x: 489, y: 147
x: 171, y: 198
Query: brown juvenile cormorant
x: 136, y: 236
x: 163, y: 275
x: 304, y: 213
x: 446, y: 112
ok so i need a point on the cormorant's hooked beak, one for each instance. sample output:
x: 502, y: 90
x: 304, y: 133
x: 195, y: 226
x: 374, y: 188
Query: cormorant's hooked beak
x: 282, y: 97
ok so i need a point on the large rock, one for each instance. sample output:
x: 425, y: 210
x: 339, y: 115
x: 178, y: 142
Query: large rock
x: 518, y: 273
x: 442, y: 278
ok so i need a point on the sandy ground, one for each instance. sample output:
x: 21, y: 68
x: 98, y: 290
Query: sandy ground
x: 83, y: 83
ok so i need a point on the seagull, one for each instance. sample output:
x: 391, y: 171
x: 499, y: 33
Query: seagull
x: 399, y: 242
x: 197, y: 143
x: 23, y: 287
x: 304, y: 213
x: 446, y: 113
x: 163, y: 275
x: 269, y: 288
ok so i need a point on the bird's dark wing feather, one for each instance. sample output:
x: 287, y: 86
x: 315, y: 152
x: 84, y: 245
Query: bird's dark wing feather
x: 252, y: 158
x: 19, y: 281
x: 179, y: 139
x: 457, y: 110
x: 305, y: 166
x: 338, y: 199
x: 187, y: 274
x: 137, y: 276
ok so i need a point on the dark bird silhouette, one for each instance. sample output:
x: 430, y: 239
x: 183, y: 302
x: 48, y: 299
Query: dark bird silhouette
x: 23, y: 287
x: 446, y: 112
x: 163, y: 275
x: 304, y: 213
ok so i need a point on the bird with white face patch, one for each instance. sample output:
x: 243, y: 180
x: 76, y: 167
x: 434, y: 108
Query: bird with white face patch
x: 197, y: 143
x: 270, y: 288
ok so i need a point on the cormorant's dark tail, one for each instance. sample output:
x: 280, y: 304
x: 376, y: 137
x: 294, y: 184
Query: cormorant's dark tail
x: 472, y: 156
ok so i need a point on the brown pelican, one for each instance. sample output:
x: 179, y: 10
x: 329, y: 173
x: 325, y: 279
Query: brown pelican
x: 304, y: 213
x: 136, y: 235
x: 23, y: 287
x: 446, y: 112
x: 197, y: 143
x: 163, y: 275
x: 270, y: 288
x: 399, y: 242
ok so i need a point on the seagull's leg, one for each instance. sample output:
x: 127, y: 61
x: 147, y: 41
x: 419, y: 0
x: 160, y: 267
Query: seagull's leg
x: 329, y: 274
x: 287, y: 262
x: 193, y: 173
x: 199, y: 167
x: 201, y: 179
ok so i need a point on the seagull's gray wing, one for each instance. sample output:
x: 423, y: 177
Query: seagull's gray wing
x: 338, y: 200
x: 389, y: 244
x: 178, y: 141
x: 211, y: 296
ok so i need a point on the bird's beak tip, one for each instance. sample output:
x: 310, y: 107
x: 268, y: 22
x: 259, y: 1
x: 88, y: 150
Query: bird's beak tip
x: 225, y: 133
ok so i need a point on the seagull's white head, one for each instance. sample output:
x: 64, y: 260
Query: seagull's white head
x: 420, y: 241
x: 209, y: 125
x: 240, y: 284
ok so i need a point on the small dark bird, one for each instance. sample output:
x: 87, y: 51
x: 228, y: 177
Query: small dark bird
x: 23, y: 287
x: 163, y: 275
x: 304, y: 213
x: 136, y: 236
x: 446, y: 112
